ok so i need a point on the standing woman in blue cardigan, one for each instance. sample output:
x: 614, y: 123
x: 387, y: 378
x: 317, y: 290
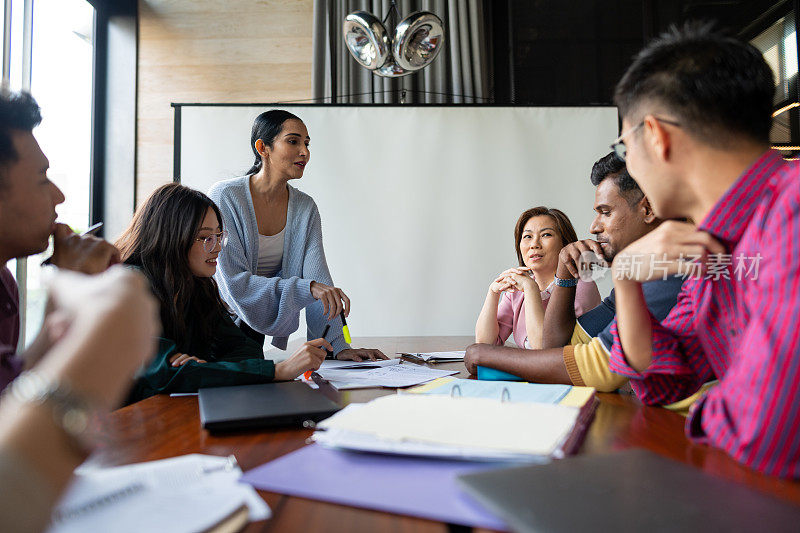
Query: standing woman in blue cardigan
x: 274, y: 264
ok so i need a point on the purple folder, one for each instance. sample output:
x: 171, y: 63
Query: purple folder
x: 420, y: 487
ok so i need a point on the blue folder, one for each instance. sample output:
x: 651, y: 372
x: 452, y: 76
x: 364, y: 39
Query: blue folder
x: 491, y: 374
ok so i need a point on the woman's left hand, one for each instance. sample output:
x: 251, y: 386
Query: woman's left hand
x: 523, y: 282
x: 180, y: 359
x: 360, y: 354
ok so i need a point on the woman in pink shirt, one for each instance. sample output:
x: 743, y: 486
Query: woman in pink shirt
x: 518, y: 297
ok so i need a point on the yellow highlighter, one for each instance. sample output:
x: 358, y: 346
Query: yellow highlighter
x: 345, y: 330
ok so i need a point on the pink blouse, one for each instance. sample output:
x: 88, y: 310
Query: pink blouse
x: 511, y: 311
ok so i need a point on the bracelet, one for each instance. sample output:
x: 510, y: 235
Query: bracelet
x: 566, y: 282
x: 71, y: 413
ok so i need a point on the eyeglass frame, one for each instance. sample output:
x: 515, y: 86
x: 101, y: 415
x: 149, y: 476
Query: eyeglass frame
x: 621, y: 150
x: 214, y: 239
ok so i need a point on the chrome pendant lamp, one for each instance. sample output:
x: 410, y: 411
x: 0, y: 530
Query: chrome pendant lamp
x: 417, y: 41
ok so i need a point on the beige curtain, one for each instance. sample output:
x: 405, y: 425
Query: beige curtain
x: 459, y: 74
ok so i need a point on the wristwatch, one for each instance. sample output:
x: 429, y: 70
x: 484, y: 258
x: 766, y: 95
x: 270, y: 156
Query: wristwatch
x: 566, y: 282
x: 72, y: 413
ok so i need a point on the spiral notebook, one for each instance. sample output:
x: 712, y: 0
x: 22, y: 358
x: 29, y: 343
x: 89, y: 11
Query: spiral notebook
x: 511, y: 391
x: 187, y: 493
x: 469, y: 428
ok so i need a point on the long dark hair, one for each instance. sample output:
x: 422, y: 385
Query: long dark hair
x: 266, y: 127
x: 563, y: 226
x: 158, y: 241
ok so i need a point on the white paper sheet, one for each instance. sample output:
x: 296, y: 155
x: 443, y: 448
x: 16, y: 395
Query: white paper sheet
x: 365, y: 442
x: 393, y: 376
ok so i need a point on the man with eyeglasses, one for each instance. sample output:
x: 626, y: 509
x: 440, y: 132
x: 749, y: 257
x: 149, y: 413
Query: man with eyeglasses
x: 696, y: 113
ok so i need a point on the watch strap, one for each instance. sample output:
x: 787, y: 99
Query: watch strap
x: 71, y: 412
x: 561, y: 282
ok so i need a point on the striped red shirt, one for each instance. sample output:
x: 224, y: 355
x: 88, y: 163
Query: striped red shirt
x: 741, y: 327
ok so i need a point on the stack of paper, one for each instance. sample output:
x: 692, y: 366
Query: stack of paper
x: 330, y: 364
x: 188, y: 493
x: 582, y: 398
x: 335, y: 364
x: 435, y: 357
x: 379, y: 374
x: 444, y: 426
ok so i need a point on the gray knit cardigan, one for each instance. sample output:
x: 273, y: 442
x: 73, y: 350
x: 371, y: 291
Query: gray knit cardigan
x: 272, y: 305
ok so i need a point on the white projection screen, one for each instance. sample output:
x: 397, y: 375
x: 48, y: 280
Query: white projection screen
x: 418, y: 204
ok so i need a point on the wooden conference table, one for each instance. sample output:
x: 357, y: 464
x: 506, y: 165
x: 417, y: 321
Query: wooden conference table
x: 162, y: 427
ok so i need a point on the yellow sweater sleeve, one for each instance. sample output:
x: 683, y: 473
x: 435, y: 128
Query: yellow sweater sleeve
x: 586, y: 360
x: 682, y: 406
x: 579, y: 336
x: 587, y: 366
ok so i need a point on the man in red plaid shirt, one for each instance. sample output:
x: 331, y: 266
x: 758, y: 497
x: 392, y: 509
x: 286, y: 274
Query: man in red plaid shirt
x: 696, y: 113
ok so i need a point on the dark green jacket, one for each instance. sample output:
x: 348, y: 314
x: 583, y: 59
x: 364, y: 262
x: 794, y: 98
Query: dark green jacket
x: 233, y: 359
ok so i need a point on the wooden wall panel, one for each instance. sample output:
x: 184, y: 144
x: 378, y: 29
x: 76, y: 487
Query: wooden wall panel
x: 214, y: 51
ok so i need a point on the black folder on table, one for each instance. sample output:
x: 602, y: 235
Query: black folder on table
x: 267, y: 405
x: 632, y: 490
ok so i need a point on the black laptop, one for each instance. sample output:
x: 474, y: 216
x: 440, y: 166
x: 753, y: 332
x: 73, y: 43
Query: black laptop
x: 632, y: 490
x: 257, y: 406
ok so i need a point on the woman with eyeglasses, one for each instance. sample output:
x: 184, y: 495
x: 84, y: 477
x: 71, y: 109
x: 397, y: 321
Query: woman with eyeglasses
x: 174, y: 240
x: 274, y: 266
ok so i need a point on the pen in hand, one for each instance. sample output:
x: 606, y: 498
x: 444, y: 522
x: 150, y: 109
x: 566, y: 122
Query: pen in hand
x: 94, y: 228
x: 91, y: 230
x: 307, y: 373
x: 324, y: 333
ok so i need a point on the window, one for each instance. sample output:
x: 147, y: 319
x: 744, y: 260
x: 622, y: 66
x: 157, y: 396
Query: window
x: 778, y: 43
x: 19, y: 52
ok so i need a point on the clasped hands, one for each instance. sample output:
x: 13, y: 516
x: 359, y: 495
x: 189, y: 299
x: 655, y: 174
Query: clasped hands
x: 515, y: 279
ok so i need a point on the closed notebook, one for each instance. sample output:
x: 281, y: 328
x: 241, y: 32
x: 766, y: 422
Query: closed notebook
x: 633, y: 490
x: 265, y: 405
